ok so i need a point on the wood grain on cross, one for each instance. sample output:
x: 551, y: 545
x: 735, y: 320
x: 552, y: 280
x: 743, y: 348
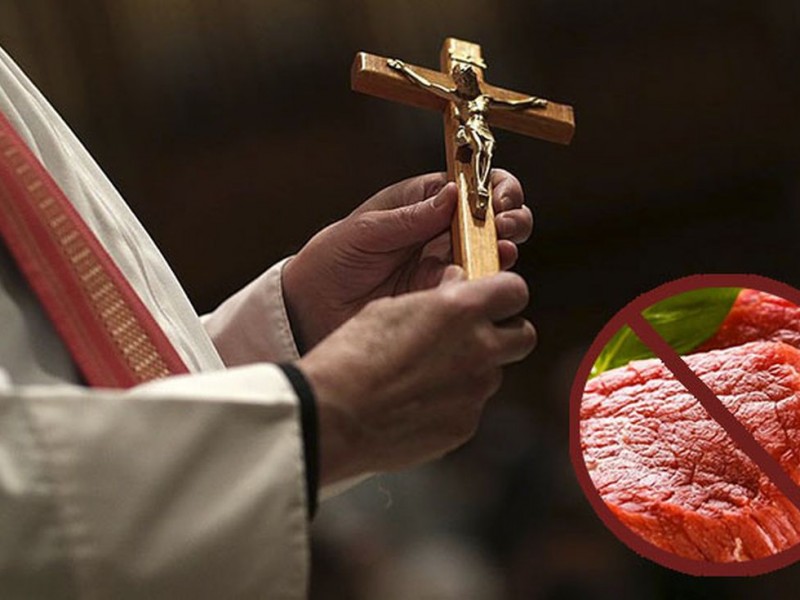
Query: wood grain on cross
x: 474, y: 236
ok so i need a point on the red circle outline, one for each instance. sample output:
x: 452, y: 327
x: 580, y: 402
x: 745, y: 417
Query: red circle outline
x: 635, y: 542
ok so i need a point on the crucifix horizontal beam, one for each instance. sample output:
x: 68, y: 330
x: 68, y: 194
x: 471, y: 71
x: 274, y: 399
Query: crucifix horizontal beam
x: 469, y: 106
x: 371, y: 75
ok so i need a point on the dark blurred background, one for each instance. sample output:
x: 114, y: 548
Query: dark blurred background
x: 229, y: 127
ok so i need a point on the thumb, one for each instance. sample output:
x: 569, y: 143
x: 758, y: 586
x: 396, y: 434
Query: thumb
x: 411, y: 225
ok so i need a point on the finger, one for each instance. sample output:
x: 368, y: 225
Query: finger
x: 453, y: 274
x: 507, y: 191
x: 389, y: 230
x: 406, y: 192
x: 497, y: 297
x: 515, y: 339
x: 515, y: 225
x: 508, y: 254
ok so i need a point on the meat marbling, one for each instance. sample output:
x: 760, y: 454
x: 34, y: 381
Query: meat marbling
x: 672, y: 474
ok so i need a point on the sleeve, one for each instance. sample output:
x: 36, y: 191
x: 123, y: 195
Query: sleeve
x: 194, y: 490
x: 189, y: 487
x: 253, y: 325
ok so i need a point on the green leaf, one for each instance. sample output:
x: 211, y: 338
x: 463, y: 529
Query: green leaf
x: 685, y: 321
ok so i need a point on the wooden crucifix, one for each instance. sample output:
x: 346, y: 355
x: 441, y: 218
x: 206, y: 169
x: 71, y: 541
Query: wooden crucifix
x: 469, y: 106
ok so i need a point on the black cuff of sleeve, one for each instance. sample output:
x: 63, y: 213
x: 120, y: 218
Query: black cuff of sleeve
x: 308, y: 420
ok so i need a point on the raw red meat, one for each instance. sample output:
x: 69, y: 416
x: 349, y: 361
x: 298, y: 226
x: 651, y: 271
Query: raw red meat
x: 757, y: 316
x: 673, y: 475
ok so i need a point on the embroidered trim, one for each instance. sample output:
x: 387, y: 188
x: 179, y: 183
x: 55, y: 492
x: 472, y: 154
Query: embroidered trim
x: 111, y: 335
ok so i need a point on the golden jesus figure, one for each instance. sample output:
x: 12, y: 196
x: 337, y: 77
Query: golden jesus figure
x: 472, y: 107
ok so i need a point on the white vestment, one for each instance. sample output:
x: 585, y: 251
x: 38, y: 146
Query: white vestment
x: 188, y: 487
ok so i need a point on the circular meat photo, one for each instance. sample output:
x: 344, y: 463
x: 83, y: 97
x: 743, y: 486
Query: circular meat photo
x: 697, y: 468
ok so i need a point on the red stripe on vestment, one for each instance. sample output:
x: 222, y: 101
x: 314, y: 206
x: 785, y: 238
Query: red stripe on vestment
x: 110, y: 333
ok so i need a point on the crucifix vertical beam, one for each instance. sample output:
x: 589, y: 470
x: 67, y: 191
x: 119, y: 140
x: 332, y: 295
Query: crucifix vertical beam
x: 474, y: 238
x: 469, y: 106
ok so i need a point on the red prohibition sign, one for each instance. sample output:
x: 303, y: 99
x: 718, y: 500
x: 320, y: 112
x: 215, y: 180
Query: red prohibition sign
x: 631, y: 316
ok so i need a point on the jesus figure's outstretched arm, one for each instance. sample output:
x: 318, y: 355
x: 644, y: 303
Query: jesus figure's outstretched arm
x: 439, y: 90
x: 529, y: 102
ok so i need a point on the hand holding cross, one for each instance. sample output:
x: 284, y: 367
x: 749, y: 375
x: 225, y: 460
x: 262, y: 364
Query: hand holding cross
x: 469, y: 106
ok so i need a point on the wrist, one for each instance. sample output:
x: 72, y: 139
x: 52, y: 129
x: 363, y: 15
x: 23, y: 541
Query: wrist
x: 340, y: 435
x: 293, y: 301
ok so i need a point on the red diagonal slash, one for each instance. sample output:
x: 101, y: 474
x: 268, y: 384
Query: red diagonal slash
x: 738, y: 432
